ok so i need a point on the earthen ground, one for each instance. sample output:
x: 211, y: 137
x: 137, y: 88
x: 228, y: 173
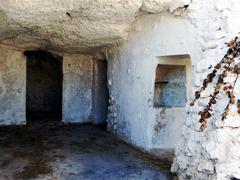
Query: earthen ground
x: 56, y: 151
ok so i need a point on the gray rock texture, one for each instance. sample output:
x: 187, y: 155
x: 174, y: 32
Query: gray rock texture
x: 12, y: 86
x: 73, y: 26
x: 77, y: 88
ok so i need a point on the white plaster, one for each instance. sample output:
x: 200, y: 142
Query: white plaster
x: 154, y: 36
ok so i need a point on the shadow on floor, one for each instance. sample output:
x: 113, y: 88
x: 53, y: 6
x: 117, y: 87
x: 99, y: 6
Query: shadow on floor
x: 72, y: 152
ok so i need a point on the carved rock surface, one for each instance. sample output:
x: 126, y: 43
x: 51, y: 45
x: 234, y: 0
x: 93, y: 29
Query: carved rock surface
x: 72, y: 26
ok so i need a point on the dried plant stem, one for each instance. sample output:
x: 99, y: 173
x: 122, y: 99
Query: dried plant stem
x: 226, y: 66
x: 234, y: 84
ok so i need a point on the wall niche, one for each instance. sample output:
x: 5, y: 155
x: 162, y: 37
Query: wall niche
x: 170, y: 88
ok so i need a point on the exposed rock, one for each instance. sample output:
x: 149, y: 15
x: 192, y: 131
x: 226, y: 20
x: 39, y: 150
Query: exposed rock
x: 155, y: 6
x: 72, y: 26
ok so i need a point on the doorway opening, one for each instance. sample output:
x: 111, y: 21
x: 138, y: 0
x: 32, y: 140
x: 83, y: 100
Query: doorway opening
x: 44, y: 87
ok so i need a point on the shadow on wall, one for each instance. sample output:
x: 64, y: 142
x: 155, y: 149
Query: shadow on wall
x: 101, y: 92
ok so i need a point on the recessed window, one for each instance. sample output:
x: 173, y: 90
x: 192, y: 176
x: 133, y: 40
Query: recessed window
x: 170, y: 86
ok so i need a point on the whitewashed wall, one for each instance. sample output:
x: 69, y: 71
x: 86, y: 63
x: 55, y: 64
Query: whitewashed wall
x: 12, y: 87
x: 132, y: 70
x: 201, y: 32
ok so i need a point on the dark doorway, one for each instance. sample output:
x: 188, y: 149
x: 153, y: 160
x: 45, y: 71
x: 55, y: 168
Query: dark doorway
x: 44, y: 86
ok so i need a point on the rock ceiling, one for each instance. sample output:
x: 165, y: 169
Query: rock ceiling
x: 73, y: 26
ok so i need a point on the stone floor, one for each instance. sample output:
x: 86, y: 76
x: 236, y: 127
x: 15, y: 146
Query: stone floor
x: 73, y: 152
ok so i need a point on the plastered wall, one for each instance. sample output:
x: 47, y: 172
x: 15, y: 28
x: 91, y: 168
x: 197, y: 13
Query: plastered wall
x: 77, y: 89
x: 12, y: 86
x: 132, y: 73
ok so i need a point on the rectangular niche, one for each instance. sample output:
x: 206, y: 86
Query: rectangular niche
x: 170, y: 89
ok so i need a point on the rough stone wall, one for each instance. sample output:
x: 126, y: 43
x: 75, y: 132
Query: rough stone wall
x: 100, y: 92
x: 214, y: 153
x: 12, y: 86
x: 77, y: 88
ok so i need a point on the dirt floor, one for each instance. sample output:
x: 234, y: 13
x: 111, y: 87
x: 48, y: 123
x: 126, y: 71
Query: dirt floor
x: 73, y: 152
